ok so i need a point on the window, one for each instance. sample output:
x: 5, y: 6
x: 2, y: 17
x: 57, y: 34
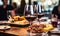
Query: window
x: 47, y: 5
x: 2, y: 3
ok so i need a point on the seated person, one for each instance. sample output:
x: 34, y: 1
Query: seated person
x: 3, y: 10
x: 56, y: 11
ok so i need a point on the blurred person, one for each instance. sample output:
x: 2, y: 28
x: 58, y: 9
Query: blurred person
x: 20, y: 9
x: 56, y: 11
x: 14, y: 5
x: 56, y: 15
x: 3, y: 10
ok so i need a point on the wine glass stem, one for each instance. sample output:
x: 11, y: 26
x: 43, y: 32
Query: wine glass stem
x: 38, y: 20
x: 30, y: 23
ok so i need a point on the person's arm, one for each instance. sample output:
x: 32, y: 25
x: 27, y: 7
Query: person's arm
x: 12, y: 13
x: 52, y: 15
x: 54, y: 12
x: 12, y: 10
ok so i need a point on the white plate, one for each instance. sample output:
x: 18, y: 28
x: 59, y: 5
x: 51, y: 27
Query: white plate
x: 4, y: 22
x: 19, y: 24
x: 2, y: 27
x: 44, y: 18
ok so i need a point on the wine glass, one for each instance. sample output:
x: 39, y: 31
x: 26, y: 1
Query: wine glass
x: 8, y: 14
x: 40, y: 15
x: 29, y: 13
x: 9, y: 17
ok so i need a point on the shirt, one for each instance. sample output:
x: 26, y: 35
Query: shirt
x: 20, y: 9
x: 3, y: 12
x: 56, y: 12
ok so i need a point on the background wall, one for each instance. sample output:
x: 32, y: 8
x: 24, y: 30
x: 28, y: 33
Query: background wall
x: 19, y: 1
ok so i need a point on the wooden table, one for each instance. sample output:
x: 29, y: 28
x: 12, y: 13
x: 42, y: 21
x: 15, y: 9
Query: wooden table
x: 18, y: 31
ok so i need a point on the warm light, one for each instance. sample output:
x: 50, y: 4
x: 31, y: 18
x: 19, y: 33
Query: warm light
x: 27, y: 1
x: 17, y: 1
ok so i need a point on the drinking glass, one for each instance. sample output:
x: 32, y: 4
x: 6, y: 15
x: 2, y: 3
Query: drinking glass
x: 29, y: 13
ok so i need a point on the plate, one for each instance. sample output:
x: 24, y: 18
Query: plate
x: 19, y: 25
x: 4, y: 27
x: 2, y: 22
x: 35, y: 34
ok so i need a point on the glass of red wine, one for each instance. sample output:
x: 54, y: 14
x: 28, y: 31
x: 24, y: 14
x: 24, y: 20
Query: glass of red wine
x: 29, y: 14
x: 54, y: 21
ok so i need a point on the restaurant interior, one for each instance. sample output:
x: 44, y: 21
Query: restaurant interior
x: 29, y: 17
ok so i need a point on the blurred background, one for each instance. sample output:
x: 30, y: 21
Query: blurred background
x: 45, y: 6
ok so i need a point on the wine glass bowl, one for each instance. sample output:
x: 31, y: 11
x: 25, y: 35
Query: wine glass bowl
x: 30, y: 18
x: 40, y: 15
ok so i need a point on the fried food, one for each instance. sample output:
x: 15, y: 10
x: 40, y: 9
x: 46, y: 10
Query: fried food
x: 40, y: 28
x: 47, y: 28
x: 16, y: 18
x: 20, y: 20
x: 36, y: 28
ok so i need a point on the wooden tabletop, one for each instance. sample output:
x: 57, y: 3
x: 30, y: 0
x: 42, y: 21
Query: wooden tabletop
x: 17, y: 31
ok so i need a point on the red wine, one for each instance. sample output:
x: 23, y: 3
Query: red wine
x: 40, y: 15
x: 30, y: 18
x: 54, y: 24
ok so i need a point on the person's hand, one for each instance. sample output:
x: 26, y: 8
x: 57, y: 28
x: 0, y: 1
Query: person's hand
x: 54, y: 16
